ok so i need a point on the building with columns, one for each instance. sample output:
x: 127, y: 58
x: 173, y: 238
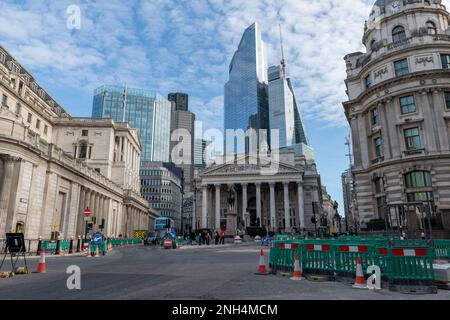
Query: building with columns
x: 280, y: 201
x: 399, y: 110
x: 53, y: 166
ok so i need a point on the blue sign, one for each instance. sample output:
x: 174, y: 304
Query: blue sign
x: 97, y: 238
x: 172, y: 234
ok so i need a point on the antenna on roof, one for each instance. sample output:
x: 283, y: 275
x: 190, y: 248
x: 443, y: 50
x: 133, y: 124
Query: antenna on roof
x: 283, y: 61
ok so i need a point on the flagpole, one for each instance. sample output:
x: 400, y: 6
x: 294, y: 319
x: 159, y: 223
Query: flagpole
x: 124, y: 103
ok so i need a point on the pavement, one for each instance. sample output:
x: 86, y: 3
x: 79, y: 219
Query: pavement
x: 192, y: 273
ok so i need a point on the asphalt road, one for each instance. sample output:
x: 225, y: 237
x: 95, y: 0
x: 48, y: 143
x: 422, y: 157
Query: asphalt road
x: 190, y: 273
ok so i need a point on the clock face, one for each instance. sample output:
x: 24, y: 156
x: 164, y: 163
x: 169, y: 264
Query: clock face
x: 395, y: 6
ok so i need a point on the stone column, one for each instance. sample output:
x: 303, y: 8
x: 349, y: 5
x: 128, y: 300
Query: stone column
x: 286, y: 206
x: 244, y: 204
x: 5, y: 195
x: 204, y: 206
x: 217, y: 224
x: 273, y: 218
x: 81, y: 208
x: 258, y: 203
x: 301, y: 205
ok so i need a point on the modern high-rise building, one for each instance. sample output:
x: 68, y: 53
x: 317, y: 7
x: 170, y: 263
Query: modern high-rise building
x: 183, y: 120
x: 246, y: 101
x: 144, y: 110
x: 347, y: 190
x: 181, y: 101
x: 200, y: 147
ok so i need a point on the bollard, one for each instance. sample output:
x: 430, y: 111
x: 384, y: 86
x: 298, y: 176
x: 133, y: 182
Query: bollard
x: 71, y: 245
x: 79, y: 244
x: 58, y: 247
x: 38, y: 252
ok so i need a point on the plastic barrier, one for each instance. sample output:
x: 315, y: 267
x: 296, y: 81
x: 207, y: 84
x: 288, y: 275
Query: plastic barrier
x: 442, y: 249
x: 318, y: 258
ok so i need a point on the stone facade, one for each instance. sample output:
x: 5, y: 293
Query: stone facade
x: 281, y: 201
x: 53, y: 166
x: 399, y: 109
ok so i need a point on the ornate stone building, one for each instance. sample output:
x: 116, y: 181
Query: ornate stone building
x: 281, y: 200
x: 399, y: 109
x: 53, y: 166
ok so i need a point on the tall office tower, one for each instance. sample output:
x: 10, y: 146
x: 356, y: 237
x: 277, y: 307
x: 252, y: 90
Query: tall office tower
x: 142, y: 109
x: 200, y: 147
x: 184, y: 120
x: 246, y: 101
x: 181, y: 100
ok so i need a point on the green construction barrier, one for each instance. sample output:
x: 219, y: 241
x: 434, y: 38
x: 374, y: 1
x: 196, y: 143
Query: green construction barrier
x: 346, y: 256
x: 409, y: 265
x: 318, y: 257
x: 442, y: 249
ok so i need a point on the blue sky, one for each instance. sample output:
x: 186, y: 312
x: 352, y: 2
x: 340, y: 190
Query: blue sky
x: 187, y: 45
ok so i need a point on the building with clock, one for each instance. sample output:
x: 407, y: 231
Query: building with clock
x: 399, y: 111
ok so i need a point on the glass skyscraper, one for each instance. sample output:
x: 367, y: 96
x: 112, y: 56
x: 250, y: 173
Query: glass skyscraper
x: 283, y: 109
x: 246, y: 100
x: 145, y: 110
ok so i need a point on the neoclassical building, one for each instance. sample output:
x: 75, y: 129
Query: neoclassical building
x: 53, y: 166
x: 281, y: 201
x: 399, y: 109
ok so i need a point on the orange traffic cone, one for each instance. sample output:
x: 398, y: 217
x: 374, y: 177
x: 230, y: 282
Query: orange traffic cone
x: 360, y: 282
x: 96, y: 251
x: 41, y: 266
x: 88, y: 251
x: 297, y: 271
x: 262, y: 265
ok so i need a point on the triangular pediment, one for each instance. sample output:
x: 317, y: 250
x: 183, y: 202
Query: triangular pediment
x: 250, y: 165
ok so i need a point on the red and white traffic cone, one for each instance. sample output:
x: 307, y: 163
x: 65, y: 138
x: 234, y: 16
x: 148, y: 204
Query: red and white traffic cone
x: 297, y: 270
x: 88, y: 251
x: 360, y: 282
x: 96, y: 251
x: 41, y: 266
x: 262, y: 265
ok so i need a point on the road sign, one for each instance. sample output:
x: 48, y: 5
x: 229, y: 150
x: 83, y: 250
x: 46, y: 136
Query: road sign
x: 172, y: 234
x: 87, y: 218
x: 97, y: 238
x: 87, y: 212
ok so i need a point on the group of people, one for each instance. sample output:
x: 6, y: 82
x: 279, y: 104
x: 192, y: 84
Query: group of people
x: 204, y: 237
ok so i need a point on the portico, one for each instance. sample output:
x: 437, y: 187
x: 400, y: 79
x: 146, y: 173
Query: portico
x: 276, y: 202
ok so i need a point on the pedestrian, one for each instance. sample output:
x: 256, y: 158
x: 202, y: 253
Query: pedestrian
x: 222, y: 237
x: 217, y: 238
x: 423, y: 235
x: 207, y: 237
x: 199, y: 238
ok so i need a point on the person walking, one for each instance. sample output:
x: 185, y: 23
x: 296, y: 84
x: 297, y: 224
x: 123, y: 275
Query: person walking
x: 217, y: 236
x: 222, y: 237
x: 207, y: 238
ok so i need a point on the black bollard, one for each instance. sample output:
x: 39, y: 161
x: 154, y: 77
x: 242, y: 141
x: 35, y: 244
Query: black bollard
x: 79, y: 244
x: 58, y: 247
x: 71, y: 245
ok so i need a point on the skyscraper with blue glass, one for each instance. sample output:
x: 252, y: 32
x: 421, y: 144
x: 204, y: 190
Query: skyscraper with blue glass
x: 145, y: 110
x: 246, y: 99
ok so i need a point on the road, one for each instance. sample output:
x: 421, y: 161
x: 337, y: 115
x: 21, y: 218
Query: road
x: 192, y: 273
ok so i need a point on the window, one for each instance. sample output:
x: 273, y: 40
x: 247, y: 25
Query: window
x: 447, y: 100
x: 398, y: 34
x: 375, y: 116
x: 407, y: 104
x: 83, y: 151
x: 45, y: 129
x: 379, y: 185
x: 445, y: 58
x: 401, y: 67
x: 381, y: 204
x: 431, y: 28
x: 412, y: 139
x: 378, y: 147
x: 29, y: 118
x: 14, y: 68
x: 5, y: 101
x: 368, y: 81
x: 18, y: 108
x: 38, y: 124
x: 2, y: 57
x: 84, y: 133
x: 373, y: 45
x: 418, y: 179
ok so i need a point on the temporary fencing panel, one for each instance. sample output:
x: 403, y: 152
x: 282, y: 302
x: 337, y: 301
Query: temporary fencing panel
x: 318, y: 258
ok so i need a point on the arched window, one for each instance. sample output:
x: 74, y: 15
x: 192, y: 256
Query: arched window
x: 372, y: 45
x: 19, y: 227
x: 398, y: 34
x: 431, y: 27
